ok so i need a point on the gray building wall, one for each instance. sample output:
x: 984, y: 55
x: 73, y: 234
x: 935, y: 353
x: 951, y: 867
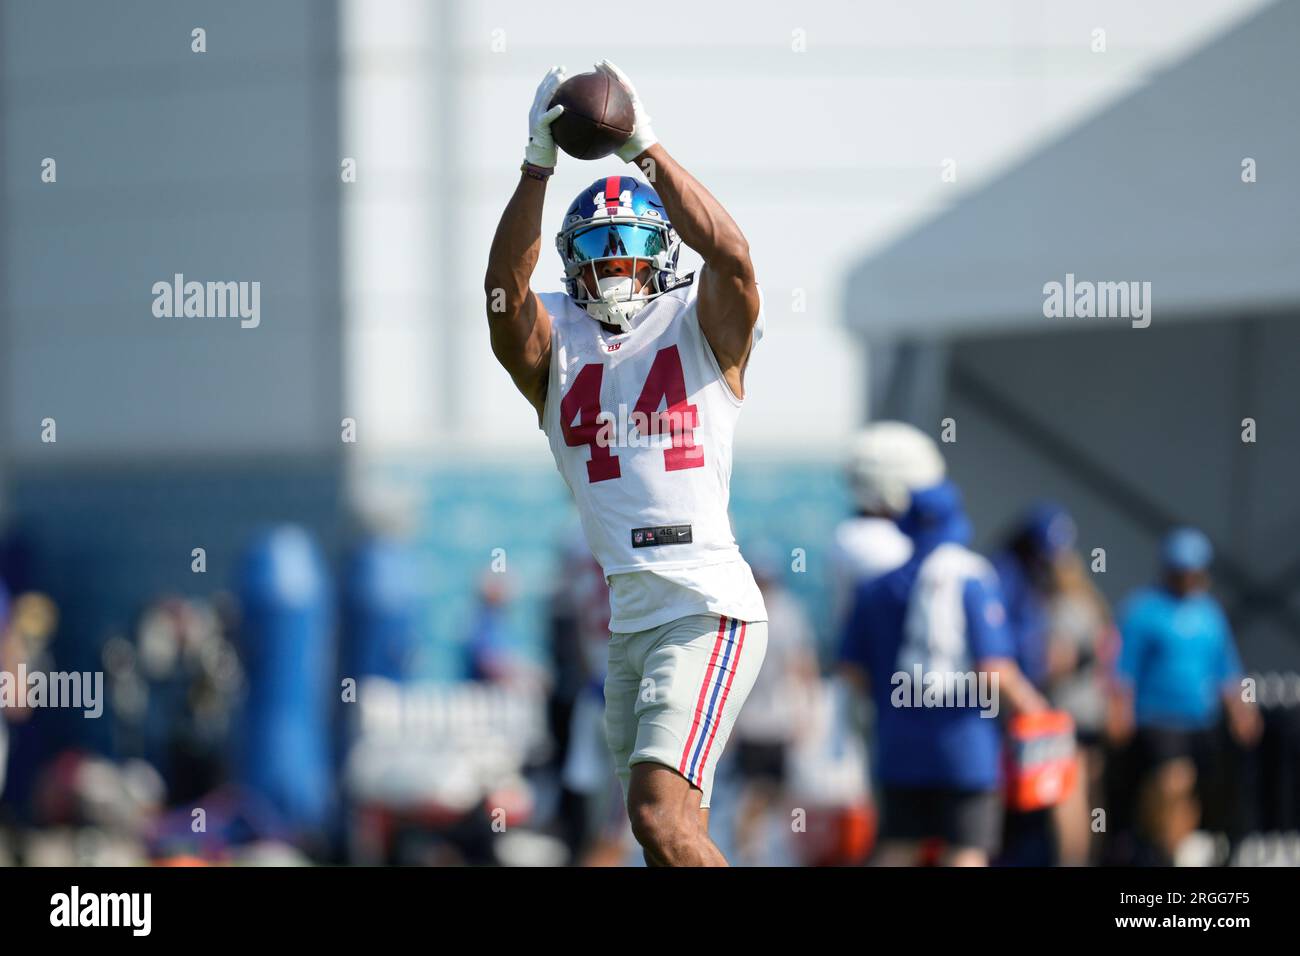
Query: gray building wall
x: 220, y: 165
x: 172, y: 433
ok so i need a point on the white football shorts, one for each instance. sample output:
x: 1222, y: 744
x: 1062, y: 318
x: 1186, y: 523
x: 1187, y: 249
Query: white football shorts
x: 673, y: 692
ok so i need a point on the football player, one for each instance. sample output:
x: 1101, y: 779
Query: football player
x: 636, y: 373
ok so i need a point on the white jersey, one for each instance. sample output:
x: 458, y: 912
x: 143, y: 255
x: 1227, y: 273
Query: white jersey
x: 641, y: 425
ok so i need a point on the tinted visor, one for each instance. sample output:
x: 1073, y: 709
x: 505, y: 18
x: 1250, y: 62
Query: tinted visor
x: 618, y: 241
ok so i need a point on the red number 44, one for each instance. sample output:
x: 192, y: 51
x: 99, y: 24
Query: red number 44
x: 582, y: 425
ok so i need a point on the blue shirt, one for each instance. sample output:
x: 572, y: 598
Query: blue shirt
x: 1026, y: 618
x: 1178, y: 655
x: 950, y: 747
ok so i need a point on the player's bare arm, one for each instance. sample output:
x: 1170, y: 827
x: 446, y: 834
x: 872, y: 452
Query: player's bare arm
x: 518, y: 323
x: 728, y: 294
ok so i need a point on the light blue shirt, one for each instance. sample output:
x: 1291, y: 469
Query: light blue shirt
x: 1178, y: 655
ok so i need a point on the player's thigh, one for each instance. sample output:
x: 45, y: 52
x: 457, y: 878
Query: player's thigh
x: 698, y: 675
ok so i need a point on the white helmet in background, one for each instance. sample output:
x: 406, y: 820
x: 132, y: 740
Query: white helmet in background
x: 890, y: 460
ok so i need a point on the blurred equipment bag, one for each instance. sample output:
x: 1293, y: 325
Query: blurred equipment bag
x: 1041, y: 760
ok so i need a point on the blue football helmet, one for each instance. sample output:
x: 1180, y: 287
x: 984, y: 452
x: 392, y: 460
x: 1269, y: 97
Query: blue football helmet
x: 618, y: 217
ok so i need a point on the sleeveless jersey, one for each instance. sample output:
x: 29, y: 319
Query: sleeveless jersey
x: 641, y: 426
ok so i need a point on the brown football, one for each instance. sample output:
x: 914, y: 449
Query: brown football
x: 597, y: 117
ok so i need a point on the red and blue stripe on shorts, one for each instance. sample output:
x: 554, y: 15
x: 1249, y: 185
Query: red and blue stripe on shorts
x: 713, y: 698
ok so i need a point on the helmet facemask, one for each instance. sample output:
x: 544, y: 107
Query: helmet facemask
x: 647, y: 241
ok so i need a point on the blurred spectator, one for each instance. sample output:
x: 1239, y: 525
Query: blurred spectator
x: 593, y: 820
x: 488, y: 646
x: 1082, y: 643
x: 1178, y: 673
x: 776, y: 711
x: 887, y: 462
x: 564, y: 642
x: 493, y: 654
x: 939, y: 618
x: 604, y: 833
x: 174, y: 692
x: 568, y: 675
x: 827, y: 779
x: 1025, y: 568
x: 27, y: 628
x: 1059, y: 624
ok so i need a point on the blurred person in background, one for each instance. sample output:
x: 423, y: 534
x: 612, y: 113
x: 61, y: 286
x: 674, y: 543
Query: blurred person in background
x: 603, y: 833
x: 887, y: 461
x: 592, y: 823
x: 74, y: 807
x: 1081, y: 648
x: 28, y: 735
x: 1178, y: 674
x: 568, y: 676
x: 488, y: 648
x: 1041, y: 537
x: 777, y: 712
x: 939, y: 615
x: 174, y: 692
x: 493, y: 655
x: 1060, y: 626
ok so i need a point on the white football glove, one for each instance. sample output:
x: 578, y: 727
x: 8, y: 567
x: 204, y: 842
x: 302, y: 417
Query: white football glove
x: 643, y: 137
x: 541, y: 149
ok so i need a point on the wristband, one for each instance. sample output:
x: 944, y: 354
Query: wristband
x: 533, y: 171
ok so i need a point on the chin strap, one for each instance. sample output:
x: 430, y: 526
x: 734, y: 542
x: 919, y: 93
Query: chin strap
x: 609, y: 305
x: 616, y: 315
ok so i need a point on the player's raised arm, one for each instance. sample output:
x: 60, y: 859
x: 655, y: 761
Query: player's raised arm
x: 519, y: 325
x: 728, y: 294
